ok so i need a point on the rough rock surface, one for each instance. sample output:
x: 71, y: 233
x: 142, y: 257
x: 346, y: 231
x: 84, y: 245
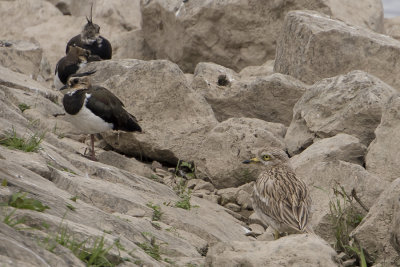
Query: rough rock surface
x: 379, y: 222
x: 323, y: 167
x: 392, y: 27
x: 351, y: 103
x: 281, y: 252
x: 174, y: 118
x: 25, y: 57
x: 229, y: 143
x: 236, y: 33
x: 395, y: 230
x: 383, y: 157
x: 270, y: 98
x: 313, y: 47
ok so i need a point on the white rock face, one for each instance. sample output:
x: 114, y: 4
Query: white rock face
x: 281, y: 252
x: 351, y: 103
x: 383, y: 153
x: 235, y: 33
x: 270, y: 98
x: 379, y: 221
x: 231, y: 142
x: 314, y: 46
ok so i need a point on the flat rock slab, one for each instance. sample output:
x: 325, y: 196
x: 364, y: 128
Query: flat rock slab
x: 293, y: 250
x: 313, y: 47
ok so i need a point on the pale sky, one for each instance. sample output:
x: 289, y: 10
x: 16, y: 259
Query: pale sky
x: 391, y: 8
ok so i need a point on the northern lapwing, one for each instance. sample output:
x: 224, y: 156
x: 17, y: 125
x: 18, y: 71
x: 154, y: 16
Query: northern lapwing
x: 75, y: 59
x: 94, y: 109
x: 90, y: 39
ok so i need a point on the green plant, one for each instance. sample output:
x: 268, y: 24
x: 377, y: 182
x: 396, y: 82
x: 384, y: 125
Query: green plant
x: 23, y: 107
x: 12, y: 222
x: 152, y: 249
x: 71, y: 207
x: 20, y: 201
x: 28, y: 145
x: 156, y: 211
x: 184, y: 203
x: 4, y: 183
x: 185, y: 169
x: 74, y: 198
x: 345, y: 217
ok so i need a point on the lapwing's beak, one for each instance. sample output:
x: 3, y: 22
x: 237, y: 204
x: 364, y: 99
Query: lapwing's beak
x: 253, y: 160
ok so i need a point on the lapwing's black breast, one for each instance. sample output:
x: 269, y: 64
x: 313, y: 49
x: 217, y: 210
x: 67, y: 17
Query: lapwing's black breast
x: 66, y: 67
x: 102, y: 49
x: 73, y: 102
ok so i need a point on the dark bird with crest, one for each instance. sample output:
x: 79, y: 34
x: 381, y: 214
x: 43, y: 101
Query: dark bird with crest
x: 90, y: 39
x: 94, y: 109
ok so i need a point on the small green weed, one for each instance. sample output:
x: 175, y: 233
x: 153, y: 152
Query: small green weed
x: 71, y: 207
x: 28, y: 145
x: 152, y: 249
x: 184, y: 203
x: 4, y: 183
x: 20, y: 201
x: 185, y: 169
x: 12, y: 222
x: 156, y: 211
x: 184, y: 195
x: 23, y: 107
x: 74, y: 198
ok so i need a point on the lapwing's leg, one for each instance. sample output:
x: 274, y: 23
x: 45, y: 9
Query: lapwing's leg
x: 92, y: 144
x: 276, y: 235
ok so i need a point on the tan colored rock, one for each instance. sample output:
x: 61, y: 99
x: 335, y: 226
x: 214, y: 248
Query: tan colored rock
x: 257, y: 229
x: 213, y: 198
x: 339, y: 147
x: 379, y: 221
x: 235, y: 33
x: 244, y: 200
x: 383, y: 157
x: 203, y: 185
x: 247, y: 97
x: 225, y: 147
x: 228, y: 195
x: 395, y: 230
x: 323, y: 174
x: 174, y: 118
x: 298, y: 249
x: 27, y: 58
x: 21, y: 14
x: 233, y: 207
x: 314, y: 46
x: 392, y: 27
x: 265, y: 69
x: 351, y: 104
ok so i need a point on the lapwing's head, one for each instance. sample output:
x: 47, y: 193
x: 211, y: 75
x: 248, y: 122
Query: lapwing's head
x: 80, y: 53
x: 270, y: 156
x: 77, y: 83
x: 91, y: 31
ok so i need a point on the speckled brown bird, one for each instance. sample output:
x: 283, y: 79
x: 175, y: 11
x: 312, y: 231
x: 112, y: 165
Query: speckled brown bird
x: 279, y: 198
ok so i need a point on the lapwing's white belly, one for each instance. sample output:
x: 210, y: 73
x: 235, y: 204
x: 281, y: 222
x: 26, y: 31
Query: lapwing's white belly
x: 87, y: 122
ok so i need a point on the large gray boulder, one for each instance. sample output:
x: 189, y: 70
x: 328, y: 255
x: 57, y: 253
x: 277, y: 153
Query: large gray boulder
x: 383, y: 154
x: 270, y: 98
x: 235, y: 33
x: 332, y: 163
x: 174, y: 118
x: 229, y: 143
x: 314, y: 46
x: 351, y: 103
x: 298, y: 250
x: 375, y: 231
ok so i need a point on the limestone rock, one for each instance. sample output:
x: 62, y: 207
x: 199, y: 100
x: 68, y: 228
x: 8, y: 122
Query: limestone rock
x: 244, y: 199
x: 324, y: 174
x: 351, y: 103
x: 298, y: 249
x: 235, y: 33
x: 314, y: 46
x: 231, y: 142
x: 20, y: 14
x: 228, y: 195
x: 395, y: 231
x: 383, y: 157
x: 265, y: 69
x: 257, y: 229
x: 25, y: 57
x: 233, y: 207
x: 379, y: 221
x: 392, y: 27
x: 270, y: 98
x: 173, y: 117
x: 339, y: 147
x: 203, y: 185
